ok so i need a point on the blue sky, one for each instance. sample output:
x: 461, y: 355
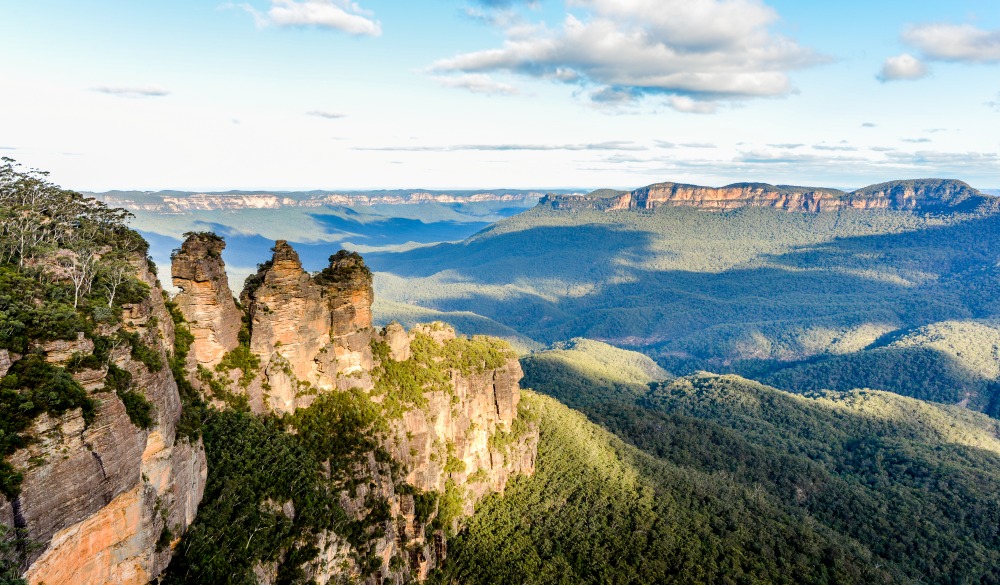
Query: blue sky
x: 338, y: 94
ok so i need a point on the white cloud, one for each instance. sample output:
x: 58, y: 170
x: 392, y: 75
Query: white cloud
x: 325, y: 114
x: 698, y: 52
x: 477, y: 83
x: 901, y: 67
x: 955, y: 42
x: 683, y: 103
x: 132, y: 91
x: 600, y: 146
x: 341, y: 15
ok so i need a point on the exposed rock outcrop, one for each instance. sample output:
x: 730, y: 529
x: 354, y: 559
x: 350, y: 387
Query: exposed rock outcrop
x: 313, y: 335
x: 922, y: 195
x: 309, y: 332
x: 205, y: 299
x: 98, y: 497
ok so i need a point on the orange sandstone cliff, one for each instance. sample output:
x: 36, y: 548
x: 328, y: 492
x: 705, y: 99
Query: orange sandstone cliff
x: 105, y: 502
x: 928, y: 195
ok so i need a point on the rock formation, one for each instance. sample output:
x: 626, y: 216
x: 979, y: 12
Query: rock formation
x: 205, y: 299
x: 312, y: 335
x: 308, y: 332
x: 453, y: 443
x: 921, y: 195
x: 106, y: 500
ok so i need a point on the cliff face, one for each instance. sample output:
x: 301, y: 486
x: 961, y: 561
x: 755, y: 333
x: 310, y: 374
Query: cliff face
x: 102, y: 499
x: 205, y: 299
x: 308, y: 332
x: 465, y: 442
x: 921, y: 195
x: 456, y: 433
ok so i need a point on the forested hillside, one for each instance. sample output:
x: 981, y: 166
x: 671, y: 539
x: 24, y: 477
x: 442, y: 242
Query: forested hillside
x: 751, y: 291
x: 719, y: 479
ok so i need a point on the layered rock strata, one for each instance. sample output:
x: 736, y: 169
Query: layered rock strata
x: 309, y: 332
x: 449, y: 445
x: 313, y: 334
x: 924, y: 195
x: 205, y: 299
x: 100, y: 500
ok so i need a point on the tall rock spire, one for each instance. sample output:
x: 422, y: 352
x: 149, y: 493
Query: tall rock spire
x: 205, y: 299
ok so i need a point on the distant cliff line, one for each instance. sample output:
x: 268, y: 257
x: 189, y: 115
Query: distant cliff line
x: 927, y: 195
x: 181, y: 201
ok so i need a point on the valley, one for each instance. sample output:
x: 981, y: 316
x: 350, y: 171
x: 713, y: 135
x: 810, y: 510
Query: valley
x: 758, y: 392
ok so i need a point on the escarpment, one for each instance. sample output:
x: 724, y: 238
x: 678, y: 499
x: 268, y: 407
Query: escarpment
x: 402, y: 431
x: 108, y: 487
x: 928, y: 195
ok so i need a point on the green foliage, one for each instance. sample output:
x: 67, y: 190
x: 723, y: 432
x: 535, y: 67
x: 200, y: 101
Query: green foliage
x: 138, y: 408
x: 452, y: 463
x: 33, y: 310
x: 142, y: 352
x: 748, y: 291
x: 31, y: 387
x: 855, y: 469
x: 339, y: 428
x: 193, y: 408
x: 404, y: 383
x: 257, y: 464
x: 582, y: 372
x: 450, y: 507
x: 241, y: 358
x: 424, y: 504
x: 600, y: 511
x: 344, y: 267
x: 948, y: 362
x: 254, y: 467
x: 13, y: 549
x: 219, y: 388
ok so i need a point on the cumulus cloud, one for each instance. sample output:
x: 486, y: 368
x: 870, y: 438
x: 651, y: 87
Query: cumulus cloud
x: 325, y: 114
x: 901, y: 67
x: 132, y: 91
x: 955, y: 42
x: 787, y: 146
x: 342, y: 15
x: 609, y: 145
x: 916, y: 140
x: 697, y: 52
x: 478, y: 83
x: 827, y: 147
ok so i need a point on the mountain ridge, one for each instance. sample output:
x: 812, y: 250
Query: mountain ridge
x: 908, y: 195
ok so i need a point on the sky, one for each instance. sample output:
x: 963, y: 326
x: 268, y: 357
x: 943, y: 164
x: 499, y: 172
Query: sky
x: 465, y: 94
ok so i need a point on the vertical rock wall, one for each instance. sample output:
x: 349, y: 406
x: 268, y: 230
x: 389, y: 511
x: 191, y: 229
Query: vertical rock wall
x: 205, y: 299
x: 313, y: 335
x: 97, y: 497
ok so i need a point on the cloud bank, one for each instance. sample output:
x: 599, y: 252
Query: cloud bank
x: 943, y: 42
x: 132, y: 91
x: 697, y: 52
x: 341, y: 15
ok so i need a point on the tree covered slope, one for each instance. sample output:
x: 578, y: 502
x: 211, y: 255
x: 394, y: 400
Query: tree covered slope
x: 720, y: 479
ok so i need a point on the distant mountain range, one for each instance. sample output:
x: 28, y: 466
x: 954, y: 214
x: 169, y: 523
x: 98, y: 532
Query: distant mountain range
x: 186, y: 201
x: 919, y: 195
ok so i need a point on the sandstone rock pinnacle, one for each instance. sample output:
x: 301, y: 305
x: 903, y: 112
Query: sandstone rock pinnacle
x: 205, y: 299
